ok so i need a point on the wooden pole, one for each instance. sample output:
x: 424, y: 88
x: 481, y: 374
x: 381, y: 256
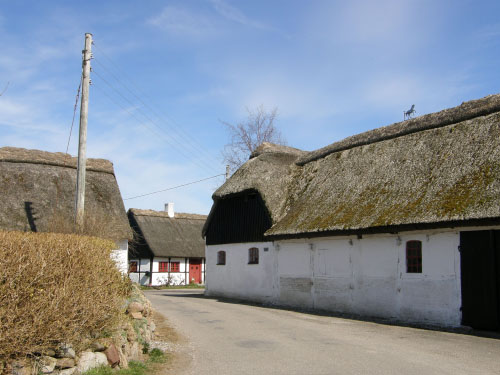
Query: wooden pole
x: 82, y: 140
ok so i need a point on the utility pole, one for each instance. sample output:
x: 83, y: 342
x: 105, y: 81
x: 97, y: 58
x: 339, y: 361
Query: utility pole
x: 82, y: 140
x: 227, y: 172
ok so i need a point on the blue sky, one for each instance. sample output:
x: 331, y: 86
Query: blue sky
x: 166, y: 73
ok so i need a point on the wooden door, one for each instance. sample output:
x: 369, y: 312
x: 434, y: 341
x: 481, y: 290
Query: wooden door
x: 195, y: 271
x: 480, y: 274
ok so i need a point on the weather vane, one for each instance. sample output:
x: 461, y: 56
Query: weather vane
x: 409, y: 113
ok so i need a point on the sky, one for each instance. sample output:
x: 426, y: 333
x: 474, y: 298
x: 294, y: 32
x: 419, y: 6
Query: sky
x: 167, y: 73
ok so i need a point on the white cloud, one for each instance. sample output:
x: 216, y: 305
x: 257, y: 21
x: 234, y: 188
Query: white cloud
x: 234, y: 14
x: 182, y: 21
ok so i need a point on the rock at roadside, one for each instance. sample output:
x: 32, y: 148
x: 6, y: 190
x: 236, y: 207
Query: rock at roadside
x: 112, y: 355
x: 135, y: 307
x: 48, y: 364
x: 136, y: 315
x: 90, y: 360
x: 64, y: 363
x: 68, y: 371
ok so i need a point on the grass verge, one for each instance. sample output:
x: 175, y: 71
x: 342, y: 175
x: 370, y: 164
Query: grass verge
x: 151, y: 366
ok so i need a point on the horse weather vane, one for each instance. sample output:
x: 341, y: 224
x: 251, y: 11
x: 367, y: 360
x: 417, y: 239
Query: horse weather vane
x: 409, y: 113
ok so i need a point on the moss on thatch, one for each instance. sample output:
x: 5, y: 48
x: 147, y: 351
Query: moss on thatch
x: 438, y: 168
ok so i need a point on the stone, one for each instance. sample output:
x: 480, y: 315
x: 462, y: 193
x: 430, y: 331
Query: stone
x: 113, y: 355
x: 65, y: 351
x: 152, y: 326
x: 131, y: 335
x: 123, y: 359
x: 136, y: 315
x: 134, y: 352
x: 21, y: 368
x: 135, y: 307
x: 64, y: 363
x: 48, y: 364
x: 49, y: 352
x: 68, y: 371
x: 90, y: 360
x: 97, y: 347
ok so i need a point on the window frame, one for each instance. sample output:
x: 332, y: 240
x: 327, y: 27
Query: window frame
x: 414, y: 261
x: 163, y: 266
x: 221, y: 258
x: 133, y: 266
x: 175, y: 266
x: 253, y: 255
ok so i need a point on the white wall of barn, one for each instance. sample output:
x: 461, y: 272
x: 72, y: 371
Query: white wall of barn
x: 364, y: 276
x: 239, y: 279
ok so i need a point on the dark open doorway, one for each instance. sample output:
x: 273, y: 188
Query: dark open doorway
x: 480, y: 274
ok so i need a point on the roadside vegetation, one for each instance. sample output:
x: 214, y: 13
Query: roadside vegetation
x: 56, y: 288
x: 151, y: 366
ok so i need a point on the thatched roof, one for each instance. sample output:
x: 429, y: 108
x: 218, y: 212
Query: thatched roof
x: 38, y: 193
x: 179, y: 236
x: 432, y: 170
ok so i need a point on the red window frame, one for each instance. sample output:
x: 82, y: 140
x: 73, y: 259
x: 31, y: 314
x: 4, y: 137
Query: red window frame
x: 132, y: 266
x: 163, y: 267
x: 175, y: 266
x: 414, y: 256
x: 253, y: 255
x: 221, y: 258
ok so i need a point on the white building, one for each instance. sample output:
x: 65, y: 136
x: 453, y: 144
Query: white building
x: 168, y: 248
x: 401, y: 222
x: 38, y: 194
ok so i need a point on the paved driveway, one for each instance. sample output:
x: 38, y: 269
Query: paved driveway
x: 230, y: 338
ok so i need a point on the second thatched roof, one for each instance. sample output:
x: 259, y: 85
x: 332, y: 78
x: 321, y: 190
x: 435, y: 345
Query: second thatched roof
x: 164, y: 236
x: 441, y: 169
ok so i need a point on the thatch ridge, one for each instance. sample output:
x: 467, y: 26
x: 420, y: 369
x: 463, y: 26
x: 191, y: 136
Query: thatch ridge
x: 163, y: 236
x: 272, y: 148
x: 178, y: 215
x: 58, y: 159
x: 467, y: 110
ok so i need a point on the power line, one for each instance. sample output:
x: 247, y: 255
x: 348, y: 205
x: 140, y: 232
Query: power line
x: 141, y: 123
x: 175, y: 187
x: 181, y: 131
x: 177, y: 131
x: 173, y: 144
x: 74, y: 112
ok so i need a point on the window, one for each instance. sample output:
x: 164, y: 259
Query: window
x: 132, y: 266
x: 163, y: 267
x: 253, y: 255
x: 175, y: 266
x: 221, y: 258
x: 414, y: 257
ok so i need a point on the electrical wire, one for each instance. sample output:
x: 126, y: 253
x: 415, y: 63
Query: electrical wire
x: 181, y: 131
x: 74, y: 112
x: 174, y: 187
x: 187, y: 140
x: 141, y: 123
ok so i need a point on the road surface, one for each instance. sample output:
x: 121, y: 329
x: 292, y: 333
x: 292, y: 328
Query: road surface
x: 224, y: 337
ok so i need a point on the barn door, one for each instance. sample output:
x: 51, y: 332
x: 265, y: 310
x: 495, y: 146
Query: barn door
x: 195, y: 271
x: 480, y: 274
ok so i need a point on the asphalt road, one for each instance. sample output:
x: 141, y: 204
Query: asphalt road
x: 229, y: 338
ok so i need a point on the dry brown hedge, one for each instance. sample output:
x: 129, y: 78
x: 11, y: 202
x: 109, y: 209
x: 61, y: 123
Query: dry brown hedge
x: 56, y: 288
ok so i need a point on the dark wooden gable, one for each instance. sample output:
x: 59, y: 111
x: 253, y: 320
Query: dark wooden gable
x: 138, y: 247
x: 238, y: 218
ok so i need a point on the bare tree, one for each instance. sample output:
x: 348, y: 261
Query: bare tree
x: 246, y: 136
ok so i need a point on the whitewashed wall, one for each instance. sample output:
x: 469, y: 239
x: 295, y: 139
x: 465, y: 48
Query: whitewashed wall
x: 239, y: 279
x: 160, y: 278
x: 120, y: 256
x: 363, y: 276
